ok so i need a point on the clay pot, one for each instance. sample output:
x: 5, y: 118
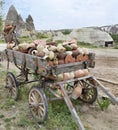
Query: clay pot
x: 79, y: 73
x: 51, y: 55
x: 77, y: 91
x: 23, y: 47
x: 61, y: 61
x: 52, y: 48
x: 73, y: 59
x: 15, y: 48
x: 10, y: 45
x: 60, y: 77
x: 46, y: 51
x: 51, y: 43
x: 85, y: 51
x: 50, y: 63
x: 72, y: 75
x: 85, y: 57
x: 55, y: 61
x: 61, y: 55
x: 39, y: 42
x: 69, y: 52
x: 75, y: 53
x: 86, y: 72
x: 69, y: 59
x: 40, y: 48
x: 80, y: 50
x: 66, y: 76
x: 68, y: 47
x: 74, y: 46
x: 79, y: 58
x: 41, y: 54
x: 60, y: 48
x: 30, y: 50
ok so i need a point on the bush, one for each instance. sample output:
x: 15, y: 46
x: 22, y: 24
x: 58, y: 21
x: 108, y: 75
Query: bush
x: 66, y: 31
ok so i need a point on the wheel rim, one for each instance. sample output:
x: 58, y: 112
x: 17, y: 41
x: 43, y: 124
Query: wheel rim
x: 37, y: 105
x: 89, y: 92
x: 11, y: 86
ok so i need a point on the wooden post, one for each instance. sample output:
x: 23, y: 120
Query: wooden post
x: 71, y: 108
x: 112, y: 97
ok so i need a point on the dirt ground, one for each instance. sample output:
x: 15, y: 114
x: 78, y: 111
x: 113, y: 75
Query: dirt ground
x: 92, y: 117
x: 107, y: 68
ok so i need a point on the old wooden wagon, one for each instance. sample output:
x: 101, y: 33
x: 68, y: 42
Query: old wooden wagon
x: 38, y: 100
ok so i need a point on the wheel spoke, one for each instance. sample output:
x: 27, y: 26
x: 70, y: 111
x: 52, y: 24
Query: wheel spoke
x: 11, y: 85
x: 89, y: 94
x: 37, y: 104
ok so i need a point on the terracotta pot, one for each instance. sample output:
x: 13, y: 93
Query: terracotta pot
x: 60, y: 77
x: 68, y: 47
x: 86, y: 72
x: 61, y: 55
x: 74, y: 46
x: 75, y: 53
x: 68, y: 59
x: 34, y: 52
x: 79, y: 58
x: 60, y: 48
x: 79, y: 73
x: 73, y: 59
x: 67, y: 76
x: 46, y: 51
x: 77, y: 91
x: 51, y: 63
x: 85, y: 51
x: 61, y: 61
x: 30, y: 50
x: 15, y: 48
x: 51, y: 43
x: 39, y: 42
x: 52, y: 48
x: 23, y: 47
x: 40, y: 48
x: 10, y: 45
x: 85, y: 57
x: 68, y: 52
x: 41, y: 54
x: 80, y: 50
x: 51, y: 55
x: 72, y: 75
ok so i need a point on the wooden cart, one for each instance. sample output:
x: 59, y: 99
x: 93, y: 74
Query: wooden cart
x: 38, y: 100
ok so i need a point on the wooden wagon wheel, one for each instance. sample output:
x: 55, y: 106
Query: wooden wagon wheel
x: 38, y: 104
x: 89, y: 91
x: 12, y: 85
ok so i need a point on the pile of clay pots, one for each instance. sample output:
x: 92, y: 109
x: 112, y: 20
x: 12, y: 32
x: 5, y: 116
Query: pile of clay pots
x: 56, y: 54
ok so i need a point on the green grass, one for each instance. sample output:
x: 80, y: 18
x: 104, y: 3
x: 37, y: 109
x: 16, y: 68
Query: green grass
x: 41, y: 36
x: 24, y: 39
x: 2, y: 41
x: 87, y: 45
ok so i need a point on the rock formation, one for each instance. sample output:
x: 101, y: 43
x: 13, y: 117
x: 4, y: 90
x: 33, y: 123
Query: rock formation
x: 13, y: 16
x: 29, y: 23
x: 87, y: 35
x: 112, y: 29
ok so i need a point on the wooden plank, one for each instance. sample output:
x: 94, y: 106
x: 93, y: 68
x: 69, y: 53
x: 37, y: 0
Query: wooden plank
x: 72, y: 109
x: 18, y: 58
x: 68, y: 67
x: 102, y: 87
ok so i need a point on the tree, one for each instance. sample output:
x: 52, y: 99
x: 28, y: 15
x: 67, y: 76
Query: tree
x: 1, y: 14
